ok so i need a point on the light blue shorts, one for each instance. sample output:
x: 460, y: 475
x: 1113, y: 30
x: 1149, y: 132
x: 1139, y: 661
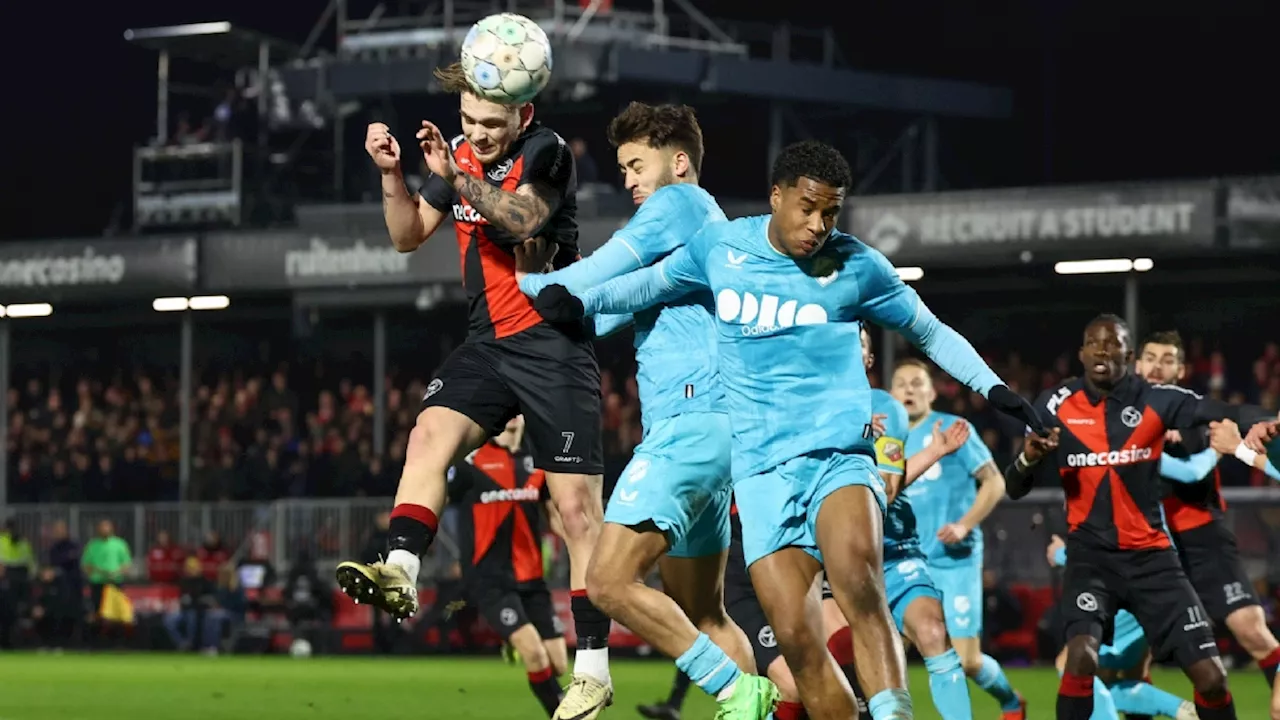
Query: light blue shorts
x: 779, y: 508
x: 679, y: 480
x: 1128, y: 644
x: 961, y: 589
x: 906, y: 579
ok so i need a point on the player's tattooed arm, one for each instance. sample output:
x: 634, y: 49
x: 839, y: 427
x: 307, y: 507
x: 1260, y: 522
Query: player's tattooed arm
x: 520, y: 213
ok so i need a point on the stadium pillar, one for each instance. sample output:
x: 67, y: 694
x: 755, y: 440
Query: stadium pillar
x: 184, y: 408
x: 380, y: 382
x: 4, y: 412
x: 885, y: 358
x: 1131, y: 304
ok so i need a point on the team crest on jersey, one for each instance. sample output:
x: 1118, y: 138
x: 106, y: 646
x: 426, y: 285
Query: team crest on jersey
x: 499, y: 172
x: 1131, y: 417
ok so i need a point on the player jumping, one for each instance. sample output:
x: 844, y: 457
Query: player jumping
x: 1197, y: 519
x: 951, y: 500
x: 1111, y: 427
x: 506, y: 178
x: 502, y: 555
x: 673, y: 497
x: 791, y: 293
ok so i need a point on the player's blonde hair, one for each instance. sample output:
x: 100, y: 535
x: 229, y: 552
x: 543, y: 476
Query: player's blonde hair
x: 452, y: 79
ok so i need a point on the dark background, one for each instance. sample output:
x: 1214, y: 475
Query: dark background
x: 1103, y: 91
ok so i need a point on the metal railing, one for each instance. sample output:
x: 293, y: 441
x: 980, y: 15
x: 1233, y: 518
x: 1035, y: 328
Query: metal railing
x: 1016, y: 534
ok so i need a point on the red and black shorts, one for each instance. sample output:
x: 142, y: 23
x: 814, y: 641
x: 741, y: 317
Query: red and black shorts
x: 1148, y: 583
x: 541, y: 372
x: 1212, y: 562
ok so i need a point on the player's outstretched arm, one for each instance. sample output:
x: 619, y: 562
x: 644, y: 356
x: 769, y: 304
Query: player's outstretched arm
x: 1189, y: 470
x: 1179, y: 407
x: 660, y: 225
x: 607, y: 325
x: 611, y: 260
x: 1225, y: 438
x: 889, y: 302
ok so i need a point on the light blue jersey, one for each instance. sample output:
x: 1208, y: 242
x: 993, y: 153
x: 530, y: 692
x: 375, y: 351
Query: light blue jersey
x: 946, y: 491
x: 789, y: 331
x: 675, y: 342
x: 797, y: 394
x: 679, y: 477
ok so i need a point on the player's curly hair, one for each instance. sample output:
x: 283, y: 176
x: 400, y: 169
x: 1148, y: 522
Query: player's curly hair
x: 452, y: 79
x: 814, y: 160
x: 1167, y: 337
x: 660, y: 126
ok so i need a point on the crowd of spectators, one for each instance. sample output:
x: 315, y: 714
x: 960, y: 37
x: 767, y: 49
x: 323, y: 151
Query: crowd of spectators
x: 298, y: 433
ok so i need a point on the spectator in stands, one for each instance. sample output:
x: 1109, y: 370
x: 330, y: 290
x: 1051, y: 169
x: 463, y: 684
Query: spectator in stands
x: 165, y: 559
x: 588, y: 174
x: 64, y: 551
x: 307, y: 597
x: 57, y: 609
x: 231, y: 600
x: 256, y: 573
x: 212, y: 555
x: 197, y: 599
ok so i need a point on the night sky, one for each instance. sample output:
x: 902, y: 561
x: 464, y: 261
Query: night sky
x: 1103, y: 91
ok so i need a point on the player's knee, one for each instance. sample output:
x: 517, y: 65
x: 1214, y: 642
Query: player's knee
x: 1082, y: 656
x: 797, y: 641
x: 1249, y: 626
x: 579, y: 511
x: 862, y: 591
x: 605, y: 586
x: 1209, y: 678
x: 931, y: 639
x: 431, y: 441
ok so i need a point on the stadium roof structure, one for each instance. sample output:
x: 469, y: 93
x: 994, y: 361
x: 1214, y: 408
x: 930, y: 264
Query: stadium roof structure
x: 596, y: 45
x: 217, y: 43
x: 220, y: 44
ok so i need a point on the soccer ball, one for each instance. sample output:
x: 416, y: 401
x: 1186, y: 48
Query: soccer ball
x: 300, y: 648
x: 507, y: 59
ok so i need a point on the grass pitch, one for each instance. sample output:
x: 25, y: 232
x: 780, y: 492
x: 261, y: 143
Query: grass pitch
x: 186, y: 687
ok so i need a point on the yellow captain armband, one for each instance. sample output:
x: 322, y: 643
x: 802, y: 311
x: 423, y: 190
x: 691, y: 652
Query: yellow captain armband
x: 890, y: 453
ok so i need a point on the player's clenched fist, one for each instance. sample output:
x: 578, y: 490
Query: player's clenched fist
x: 382, y: 147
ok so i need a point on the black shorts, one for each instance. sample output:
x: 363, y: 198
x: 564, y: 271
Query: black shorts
x: 743, y: 605
x: 1148, y: 583
x: 546, y: 375
x: 507, y: 608
x: 1212, y: 561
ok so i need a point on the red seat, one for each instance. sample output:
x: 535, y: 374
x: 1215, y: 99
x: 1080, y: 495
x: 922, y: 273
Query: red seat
x: 1035, y: 602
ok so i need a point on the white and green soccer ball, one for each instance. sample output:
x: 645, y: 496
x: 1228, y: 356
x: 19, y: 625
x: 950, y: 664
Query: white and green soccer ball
x: 507, y: 58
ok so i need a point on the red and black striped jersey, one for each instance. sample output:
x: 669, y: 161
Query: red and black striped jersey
x: 500, y: 495
x: 1109, y: 454
x: 1191, y: 505
x: 539, y: 156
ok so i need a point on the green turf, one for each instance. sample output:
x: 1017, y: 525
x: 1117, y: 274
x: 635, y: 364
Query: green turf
x: 142, y: 687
